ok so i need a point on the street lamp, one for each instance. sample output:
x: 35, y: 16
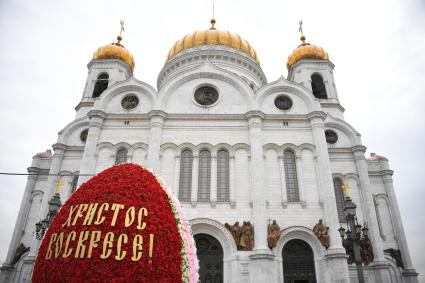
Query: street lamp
x: 54, y: 206
x: 355, y: 232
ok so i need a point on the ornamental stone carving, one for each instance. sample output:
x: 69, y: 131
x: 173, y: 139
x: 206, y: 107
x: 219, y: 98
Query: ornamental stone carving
x: 19, y: 252
x: 321, y: 232
x: 243, y: 235
x: 396, y: 255
x: 273, y: 234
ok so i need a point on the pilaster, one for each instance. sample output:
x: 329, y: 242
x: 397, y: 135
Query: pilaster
x: 88, y: 163
x: 155, y: 137
x: 258, y: 189
x: 381, y: 270
x: 336, y: 257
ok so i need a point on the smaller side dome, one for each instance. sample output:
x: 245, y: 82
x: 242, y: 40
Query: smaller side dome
x: 115, y: 51
x: 306, y: 51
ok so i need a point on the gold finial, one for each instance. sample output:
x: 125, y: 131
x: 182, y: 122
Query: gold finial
x: 212, y: 20
x: 346, y: 188
x: 302, y: 33
x: 59, y: 184
x: 119, y: 37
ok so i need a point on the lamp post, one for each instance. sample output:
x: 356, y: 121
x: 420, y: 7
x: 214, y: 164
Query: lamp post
x: 54, y: 206
x: 354, y: 232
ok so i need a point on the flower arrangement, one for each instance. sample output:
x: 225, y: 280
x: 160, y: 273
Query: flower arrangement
x: 123, y: 225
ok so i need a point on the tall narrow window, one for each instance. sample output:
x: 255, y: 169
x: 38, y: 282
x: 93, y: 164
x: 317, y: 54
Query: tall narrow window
x: 101, y: 84
x: 204, y: 176
x: 223, y: 191
x: 318, y: 87
x: 74, y: 183
x: 121, y: 156
x: 185, y: 183
x: 291, y: 176
x: 339, y: 196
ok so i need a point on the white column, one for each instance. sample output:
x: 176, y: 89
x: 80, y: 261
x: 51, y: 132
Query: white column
x: 299, y: 164
x: 195, y: 168
x: 319, y: 188
x: 88, y: 163
x: 232, y: 192
x: 24, y: 209
x: 409, y: 271
x: 283, y: 182
x: 176, y: 182
x: 213, y: 191
x: 55, y: 166
x: 378, y: 252
x: 258, y: 182
x: 155, y: 137
x: 336, y: 255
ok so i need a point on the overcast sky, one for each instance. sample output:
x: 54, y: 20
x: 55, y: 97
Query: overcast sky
x: 378, y: 48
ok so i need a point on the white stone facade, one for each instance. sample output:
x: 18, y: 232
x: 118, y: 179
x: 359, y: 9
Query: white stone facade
x: 246, y: 123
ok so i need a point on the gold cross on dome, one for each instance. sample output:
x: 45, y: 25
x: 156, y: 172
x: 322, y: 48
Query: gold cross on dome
x: 59, y: 184
x: 346, y: 188
x: 122, y: 27
x: 301, y: 31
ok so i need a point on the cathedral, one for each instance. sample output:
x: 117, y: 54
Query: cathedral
x: 264, y: 170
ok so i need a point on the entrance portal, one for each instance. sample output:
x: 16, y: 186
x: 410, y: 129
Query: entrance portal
x: 298, y: 262
x: 210, y: 256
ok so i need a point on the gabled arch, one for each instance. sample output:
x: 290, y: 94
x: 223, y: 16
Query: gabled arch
x: 205, y: 70
x: 129, y: 85
x: 335, y: 123
x: 285, y: 86
x: 77, y: 124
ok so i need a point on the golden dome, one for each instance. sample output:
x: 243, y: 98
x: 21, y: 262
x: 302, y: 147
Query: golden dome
x: 212, y: 36
x: 306, y: 51
x: 115, y: 51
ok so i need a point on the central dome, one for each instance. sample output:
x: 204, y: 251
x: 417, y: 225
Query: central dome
x: 212, y: 36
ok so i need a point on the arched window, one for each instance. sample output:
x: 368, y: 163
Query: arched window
x: 291, y: 176
x: 121, y: 156
x: 101, y: 84
x: 185, y: 184
x: 318, y: 87
x: 74, y: 183
x: 339, y: 196
x: 204, y: 176
x: 223, y: 188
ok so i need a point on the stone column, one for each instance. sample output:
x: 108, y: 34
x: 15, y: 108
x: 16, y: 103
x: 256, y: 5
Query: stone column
x: 24, y: 210
x: 283, y: 182
x: 55, y: 166
x: 299, y: 164
x: 378, y: 251
x: 195, y: 169
x: 213, y: 191
x: 155, y: 137
x: 336, y: 257
x: 316, y: 170
x: 258, y: 189
x: 232, y: 193
x: 262, y: 265
x: 409, y: 273
x: 88, y: 163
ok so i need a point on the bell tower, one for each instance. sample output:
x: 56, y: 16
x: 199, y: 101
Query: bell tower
x: 111, y: 64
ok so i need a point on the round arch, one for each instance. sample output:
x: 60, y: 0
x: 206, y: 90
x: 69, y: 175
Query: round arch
x: 305, y: 234
x: 220, y: 232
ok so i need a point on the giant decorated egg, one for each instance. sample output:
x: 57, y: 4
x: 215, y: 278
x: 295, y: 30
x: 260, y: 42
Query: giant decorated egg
x: 123, y: 225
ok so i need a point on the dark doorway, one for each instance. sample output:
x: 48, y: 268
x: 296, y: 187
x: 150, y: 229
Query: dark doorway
x: 210, y: 256
x: 298, y: 262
